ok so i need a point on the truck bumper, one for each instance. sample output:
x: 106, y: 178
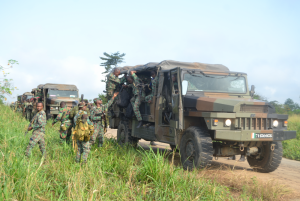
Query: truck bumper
x: 254, y: 135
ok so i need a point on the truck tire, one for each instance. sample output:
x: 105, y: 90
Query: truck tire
x: 124, y: 135
x: 196, y: 148
x: 270, y: 160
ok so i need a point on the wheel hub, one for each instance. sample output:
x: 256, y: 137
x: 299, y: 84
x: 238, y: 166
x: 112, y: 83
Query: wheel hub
x: 122, y: 136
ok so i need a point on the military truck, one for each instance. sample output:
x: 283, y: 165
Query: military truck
x: 25, y: 96
x: 205, y: 111
x: 53, y: 94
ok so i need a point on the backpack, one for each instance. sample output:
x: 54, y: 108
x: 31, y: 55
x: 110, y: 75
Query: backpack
x: 129, y: 111
x: 123, y: 99
x: 83, y: 131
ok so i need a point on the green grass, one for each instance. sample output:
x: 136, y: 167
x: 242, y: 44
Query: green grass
x: 112, y: 172
x: 291, y: 148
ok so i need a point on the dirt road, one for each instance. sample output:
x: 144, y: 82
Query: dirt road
x: 287, y: 174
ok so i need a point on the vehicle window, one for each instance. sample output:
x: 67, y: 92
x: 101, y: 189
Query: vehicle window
x: 215, y: 83
x: 61, y: 93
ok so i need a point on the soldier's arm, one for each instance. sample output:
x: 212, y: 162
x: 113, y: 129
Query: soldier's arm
x: 58, y: 117
x: 106, y: 106
x: 89, y: 121
x: 75, y: 119
x: 154, y: 83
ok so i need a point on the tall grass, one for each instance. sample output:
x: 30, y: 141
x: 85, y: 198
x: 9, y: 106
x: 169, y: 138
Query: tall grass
x: 112, y: 172
x: 291, y: 148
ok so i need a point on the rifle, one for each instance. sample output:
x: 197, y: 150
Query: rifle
x: 29, y: 126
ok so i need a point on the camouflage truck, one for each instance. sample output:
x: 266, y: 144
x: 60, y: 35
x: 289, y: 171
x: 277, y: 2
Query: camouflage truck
x: 25, y: 96
x: 53, y: 94
x: 206, y: 111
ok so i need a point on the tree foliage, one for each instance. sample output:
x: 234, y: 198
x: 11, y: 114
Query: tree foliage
x: 111, y: 61
x: 103, y: 98
x: 288, y: 107
x: 6, y: 84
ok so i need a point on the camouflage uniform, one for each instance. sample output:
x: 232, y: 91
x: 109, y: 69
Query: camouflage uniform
x: 40, y: 95
x: 38, y: 134
x: 28, y: 110
x: 138, y: 96
x: 83, y: 146
x: 75, y: 110
x: 153, y: 91
x: 64, y: 118
x: 111, y: 84
x: 96, y: 117
x: 34, y: 110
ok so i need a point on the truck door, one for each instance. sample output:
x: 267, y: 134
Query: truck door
x: 176, y: 120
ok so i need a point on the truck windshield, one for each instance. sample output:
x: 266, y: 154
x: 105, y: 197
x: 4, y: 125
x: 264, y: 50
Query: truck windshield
x: 61, y: 93
x: 215, y: 83
x: 29, y: 97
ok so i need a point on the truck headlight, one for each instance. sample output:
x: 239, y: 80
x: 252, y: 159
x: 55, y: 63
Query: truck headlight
x: 215, y: 122
x: 285, y: 123
x: 228, y: 122
x: 275, y: 123
x: 56, y: 108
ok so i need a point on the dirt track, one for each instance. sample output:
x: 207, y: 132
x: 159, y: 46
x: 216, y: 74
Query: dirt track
x: 287, y: 174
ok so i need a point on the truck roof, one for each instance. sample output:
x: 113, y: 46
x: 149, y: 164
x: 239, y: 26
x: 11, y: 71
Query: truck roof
x: 170, y: 64
x: 66, y: 87
x: 28, y: 94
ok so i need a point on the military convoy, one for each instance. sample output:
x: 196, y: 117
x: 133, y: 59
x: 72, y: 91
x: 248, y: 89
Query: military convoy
x: 206, y: 111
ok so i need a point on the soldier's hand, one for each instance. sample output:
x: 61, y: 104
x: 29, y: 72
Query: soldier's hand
x: 131, y: 72
x: 30, y: 128
x: 115, y: 94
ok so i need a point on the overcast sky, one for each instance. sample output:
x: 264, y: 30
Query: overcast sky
x: 61, y: 41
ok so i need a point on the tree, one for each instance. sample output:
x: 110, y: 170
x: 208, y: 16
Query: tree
x: 6, y: 85
x: 111, y: 61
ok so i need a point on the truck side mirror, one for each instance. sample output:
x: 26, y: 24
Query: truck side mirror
x: 185, y: 84
x: 252, y: 91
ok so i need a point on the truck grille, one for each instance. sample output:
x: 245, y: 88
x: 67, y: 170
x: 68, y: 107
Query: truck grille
x: 254, y: 108
x: 253, y: 123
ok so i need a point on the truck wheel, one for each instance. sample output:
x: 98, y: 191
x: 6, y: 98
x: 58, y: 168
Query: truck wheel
x: 269, y: 161
x: 124, y: 135
x: 196, y: 148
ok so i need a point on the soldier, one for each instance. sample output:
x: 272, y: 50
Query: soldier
x: 152, y: 86
x: 75, y: 110
x: 12, y: 106
x: 83, y: 146
x: 96, y: 116
x: 28, y: 110
x: 138, y: 95
x: 39, y: 95
x: 38, y: 135
x: 34, y: 110
x: 66, y: 124
x: 113, y: 81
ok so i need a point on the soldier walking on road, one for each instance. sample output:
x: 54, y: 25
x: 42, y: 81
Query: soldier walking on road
x: 96, y: 116
x: 138, y: 95
x: 66, y: 124
x: 38, y: 135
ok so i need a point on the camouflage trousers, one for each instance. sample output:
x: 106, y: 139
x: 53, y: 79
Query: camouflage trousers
x: 65, y: 135
x: 37, y: 137
x: 83, y: 150
x: 98, y: 133
x: 136, y: 102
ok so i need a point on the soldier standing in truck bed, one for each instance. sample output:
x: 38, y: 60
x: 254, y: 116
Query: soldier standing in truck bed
x: 96, y: 116
x: 152, y: 86
x: 138, y: 95
x: 113, y: 81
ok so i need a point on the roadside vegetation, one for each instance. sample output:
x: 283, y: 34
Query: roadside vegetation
x: 291, y: 148
x: 112, y: 172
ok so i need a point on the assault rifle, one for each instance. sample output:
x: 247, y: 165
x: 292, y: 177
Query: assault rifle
x: 29, y: 126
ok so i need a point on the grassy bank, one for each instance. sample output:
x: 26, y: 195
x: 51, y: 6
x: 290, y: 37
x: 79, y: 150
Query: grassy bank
x: 112, y: 173
x: 291, y: 148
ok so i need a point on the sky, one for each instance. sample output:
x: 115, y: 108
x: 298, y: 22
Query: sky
x: 61, y: 41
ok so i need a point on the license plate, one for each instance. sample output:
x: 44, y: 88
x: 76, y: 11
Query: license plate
x: 261, y: 135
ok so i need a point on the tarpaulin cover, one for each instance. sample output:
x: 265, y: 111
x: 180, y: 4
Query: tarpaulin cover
x: 66, y: 87
x: 170, y: 64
